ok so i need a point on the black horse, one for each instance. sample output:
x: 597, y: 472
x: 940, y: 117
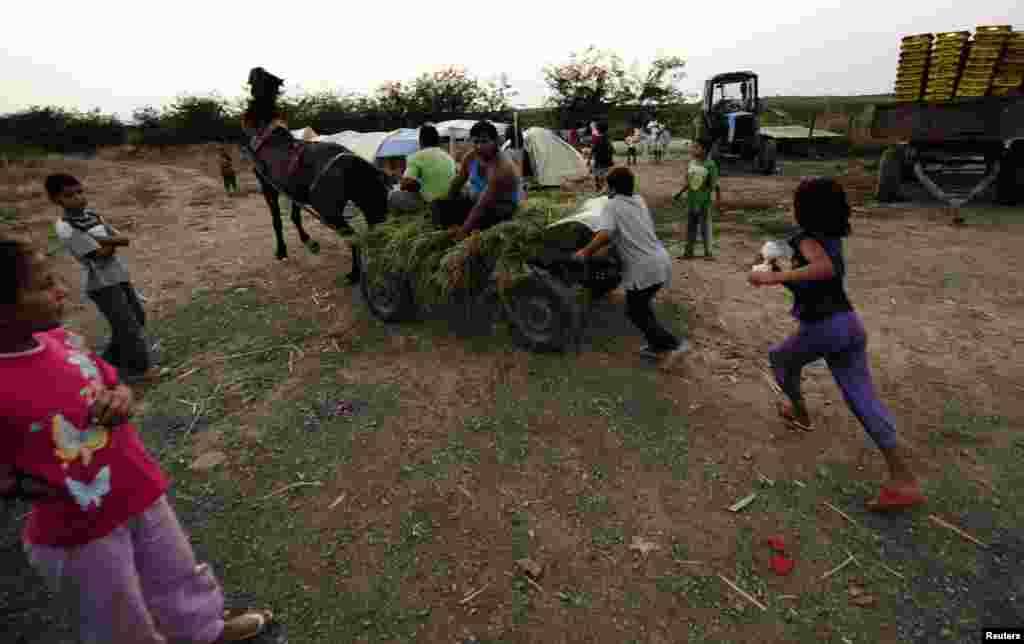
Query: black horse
x: 326, y: 176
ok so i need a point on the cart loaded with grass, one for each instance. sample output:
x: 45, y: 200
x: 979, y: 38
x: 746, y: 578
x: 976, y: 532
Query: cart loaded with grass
x: 522, y: 270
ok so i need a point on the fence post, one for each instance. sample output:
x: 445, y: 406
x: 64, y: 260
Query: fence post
x: 810, y: 135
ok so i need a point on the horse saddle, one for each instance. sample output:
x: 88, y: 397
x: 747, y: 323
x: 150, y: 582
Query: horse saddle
x: 278, y: 151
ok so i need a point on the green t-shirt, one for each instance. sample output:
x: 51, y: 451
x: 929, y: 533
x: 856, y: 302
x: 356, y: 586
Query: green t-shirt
x: 701, y: 179
x: 434, y: 169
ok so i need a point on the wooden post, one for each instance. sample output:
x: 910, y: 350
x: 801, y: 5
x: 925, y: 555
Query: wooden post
x: 810, y: 135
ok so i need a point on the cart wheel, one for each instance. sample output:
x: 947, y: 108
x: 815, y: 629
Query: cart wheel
x: 389, y: 296
x: 890, y: 174
x: 766, y: 157
x: 1010, y: 183
x: 543, y: 313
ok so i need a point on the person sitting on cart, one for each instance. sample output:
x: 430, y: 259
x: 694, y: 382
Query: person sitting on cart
x: 494, y: 189
x: 428, y: 174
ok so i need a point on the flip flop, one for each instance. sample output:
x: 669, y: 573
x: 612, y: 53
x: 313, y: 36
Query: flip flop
x: 890, y: 499
x: 245, y: 626
x: 786, y: 413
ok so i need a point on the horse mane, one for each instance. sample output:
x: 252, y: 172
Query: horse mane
x: 264, y: 90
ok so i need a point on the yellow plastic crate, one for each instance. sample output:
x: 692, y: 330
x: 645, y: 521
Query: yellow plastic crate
x: 984, y: 53
x: 916, y: 50
x: 1008, y: 81
x: 973, y: 68
x: 993, y: 29
x: 917, y: 38
x: 1002, y: 91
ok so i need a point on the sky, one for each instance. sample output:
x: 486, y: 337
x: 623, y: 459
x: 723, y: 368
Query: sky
x: 118, y: 55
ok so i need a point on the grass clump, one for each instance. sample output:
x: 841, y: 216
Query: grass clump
x: 439, y: 268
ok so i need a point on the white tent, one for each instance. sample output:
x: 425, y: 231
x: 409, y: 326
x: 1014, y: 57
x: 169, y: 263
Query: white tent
x: 374, y: 146
x: 305, y: 134
x: 458, y: 129
x: 552, y: 159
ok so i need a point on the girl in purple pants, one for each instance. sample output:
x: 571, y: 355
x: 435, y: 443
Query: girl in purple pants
x: 831, y: 329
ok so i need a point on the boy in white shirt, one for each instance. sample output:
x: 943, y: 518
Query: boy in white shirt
x: 647, y: 266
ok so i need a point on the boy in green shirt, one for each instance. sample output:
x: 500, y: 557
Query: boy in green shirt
x: 701, y: 180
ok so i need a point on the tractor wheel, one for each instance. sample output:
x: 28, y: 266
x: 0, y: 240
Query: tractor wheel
x: 1010, y: 183
x: 766, y: 157
x: 890, y: 174
x: 389, y: 296
x: 543, y: 313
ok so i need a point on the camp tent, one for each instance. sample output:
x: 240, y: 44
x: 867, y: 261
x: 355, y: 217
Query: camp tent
x: 458, y: 129
x: 376, y: 146
x: 305, y: 134
x: 552, y: 160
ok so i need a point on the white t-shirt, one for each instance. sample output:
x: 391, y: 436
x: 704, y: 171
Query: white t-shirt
x: 644, y: 258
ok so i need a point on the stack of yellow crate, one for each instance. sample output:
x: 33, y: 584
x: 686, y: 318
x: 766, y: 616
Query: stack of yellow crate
x: 913, y: 67
x: 947, y: 58
x: 985, y: 51
x: 1010, y: 69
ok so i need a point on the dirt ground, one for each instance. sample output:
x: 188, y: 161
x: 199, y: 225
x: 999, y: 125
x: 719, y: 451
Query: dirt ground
x: 944, y: 307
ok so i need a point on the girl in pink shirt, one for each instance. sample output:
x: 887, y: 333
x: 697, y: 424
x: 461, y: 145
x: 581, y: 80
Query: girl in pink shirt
x: 101, y: 531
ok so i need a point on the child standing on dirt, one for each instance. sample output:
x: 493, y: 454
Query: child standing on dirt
x: 101, y: 532
x: 647, y: 266
x: 104, y: 278
x: 632, y: 141
x: 701, y: 181
x: 831, y: 329
x: 602, y: 156
x: 227, y: 171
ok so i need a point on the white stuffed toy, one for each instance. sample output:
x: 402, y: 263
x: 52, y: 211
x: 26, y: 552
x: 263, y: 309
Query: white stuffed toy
x: 770, y: 253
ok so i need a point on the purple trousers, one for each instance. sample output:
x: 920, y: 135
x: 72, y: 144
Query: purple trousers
x: 842, y: 342
x: 140, y: 584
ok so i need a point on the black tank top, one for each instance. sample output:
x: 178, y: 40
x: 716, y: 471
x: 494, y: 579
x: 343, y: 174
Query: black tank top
x: 819, y: 299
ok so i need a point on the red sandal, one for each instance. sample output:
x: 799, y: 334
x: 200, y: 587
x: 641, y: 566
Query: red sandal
x: 785, y: 409
x: 893, y: 499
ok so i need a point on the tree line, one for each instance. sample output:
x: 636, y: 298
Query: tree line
x: 590, y: 85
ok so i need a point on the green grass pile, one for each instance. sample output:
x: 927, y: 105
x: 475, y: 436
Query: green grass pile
x: 440, y: 268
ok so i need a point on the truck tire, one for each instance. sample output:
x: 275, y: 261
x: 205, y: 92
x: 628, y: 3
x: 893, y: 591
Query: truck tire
x: 767, y: 156
x: 890, y: 174
x: 1010, y: 183
x: 389, y: 296
x: 543, y: 313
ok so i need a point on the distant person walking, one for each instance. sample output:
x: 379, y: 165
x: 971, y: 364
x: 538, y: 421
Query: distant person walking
x: 227, y: 170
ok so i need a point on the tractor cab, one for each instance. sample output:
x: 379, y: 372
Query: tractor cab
x: 730, y: 119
